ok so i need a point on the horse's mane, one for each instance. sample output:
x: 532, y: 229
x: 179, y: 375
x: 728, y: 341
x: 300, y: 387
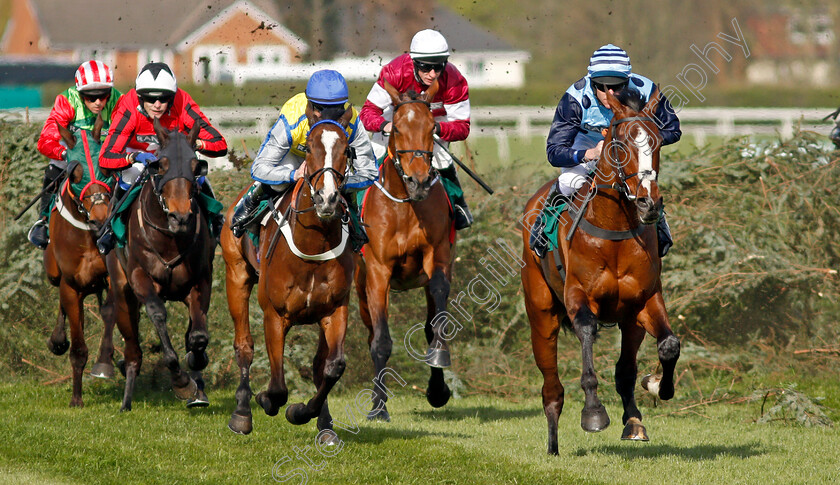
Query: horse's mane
x: 631, y: 98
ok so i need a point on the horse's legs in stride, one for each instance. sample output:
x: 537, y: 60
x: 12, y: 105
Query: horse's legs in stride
x: 196, y: 339
x: 542, y: 309
x: 437, y: 392
x: 626, y: 370
x: 104, y: 366
x: 239, y: 289
x: 654, y: 319
x: 594, y: 416
x: 327, y: 369
x: 182, y: 384
x: 58, y: 343
x: 372, y: 289
x: 275, y: 328
x: 127, y: 313
x: 71, y: 302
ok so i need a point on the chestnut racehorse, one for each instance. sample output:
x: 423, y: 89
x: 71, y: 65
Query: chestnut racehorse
x: 168, y: 256
x: 71, y: 259
x: 606, y: 270
x: 304, y: 271
x: 411, y: 243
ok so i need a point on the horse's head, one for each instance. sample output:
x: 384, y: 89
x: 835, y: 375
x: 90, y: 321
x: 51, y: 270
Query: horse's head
x: 89, y: 188
x: 175, y: 174
x: 631, y: 151
x: 327, y: 152
x: 412, y: 139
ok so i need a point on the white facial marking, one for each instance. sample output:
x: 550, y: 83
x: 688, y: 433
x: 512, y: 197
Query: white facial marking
x: 328, y: 139
x: 646, y: 172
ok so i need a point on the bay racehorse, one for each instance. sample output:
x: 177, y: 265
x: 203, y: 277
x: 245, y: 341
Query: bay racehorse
x: 168, y: 256
x: 303, y: 268
x: 71, y: 259
x: 607, y: 269
x: 412, y: 243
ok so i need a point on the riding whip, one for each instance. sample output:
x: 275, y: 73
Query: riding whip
x: 464, y: 167
x: 49, y: 187
x: 119, y: 203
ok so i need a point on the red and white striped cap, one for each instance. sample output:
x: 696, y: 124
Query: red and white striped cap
x: 94, y: 75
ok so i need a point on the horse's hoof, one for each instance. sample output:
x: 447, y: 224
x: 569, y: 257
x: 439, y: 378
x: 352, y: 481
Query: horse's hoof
x: 76, y: 403
x: 438, y: 358
x: 594, y: 420
x: 297, y: 414
x: 199, y: 401
x: 58, y: 348
x: 379, y: 415
x: 329, y: 438
x: 634, y: 430
x: 102, y: 370
x: 121, y: 366
x: 187, y: 392
x: 197, y: 360
x: 240, y: 424
x: 438, y: 397
x: 265, y: 402
x: 650, y: 383
x: 125, y: 407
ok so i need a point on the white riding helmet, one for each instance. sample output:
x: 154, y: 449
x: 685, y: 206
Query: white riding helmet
x: 429, y: 45
x: 156, y: 79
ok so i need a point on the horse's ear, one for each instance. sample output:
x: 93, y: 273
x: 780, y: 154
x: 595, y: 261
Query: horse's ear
x: 429, y: 95
x: 653, y: 102
x: 346, y: 117
x: 66, y: 135
x: 617, y: 108
x: 193, y: 135
x: 160, y: 131
x: 199, y: 167
x: 392, y: 91
x: 97, y: 127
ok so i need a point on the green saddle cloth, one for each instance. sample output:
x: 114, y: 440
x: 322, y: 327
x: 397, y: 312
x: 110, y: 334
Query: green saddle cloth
x: 119, y: 224
x: 551, y: 217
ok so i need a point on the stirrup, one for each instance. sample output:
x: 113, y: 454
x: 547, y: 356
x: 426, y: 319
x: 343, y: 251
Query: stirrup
x: 463, y: 218
x: 106, y: 242
x: 537, y: 241
x: 39, y: 234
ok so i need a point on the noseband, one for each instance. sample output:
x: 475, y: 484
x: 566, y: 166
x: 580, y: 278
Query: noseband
x: 621, y: 186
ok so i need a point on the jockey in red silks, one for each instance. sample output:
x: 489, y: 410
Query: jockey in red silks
x: 426, y: 62
x: 132, y: 142
x: 75, y: 109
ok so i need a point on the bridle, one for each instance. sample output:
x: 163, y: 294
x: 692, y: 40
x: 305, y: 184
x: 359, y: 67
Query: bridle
x: 310, y: 178
x: 415, y: 154
x: 621, y: 186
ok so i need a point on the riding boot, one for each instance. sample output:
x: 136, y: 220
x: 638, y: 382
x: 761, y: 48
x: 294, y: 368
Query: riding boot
x: 217, y: 221
x: 463, y: 218
x: 663, y: 233
x: 358, y: 235
x: 39, y: 233
x: 107, y: 240
x: 538, y: 242
x: 247, y: 208
x: 835, y: 135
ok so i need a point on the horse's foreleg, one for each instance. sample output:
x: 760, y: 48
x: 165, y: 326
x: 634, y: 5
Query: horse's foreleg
x: 238, y: 286
x: 196, y: 339
x: 71, y: 302
x: 594, y: 416
x: 104, y: 366
x: 328, y: 367
x: 58, y: 343
x: 373, y: 290
x: 654, y: 319
x: 626, y: 370
x: 437, y: 356
x: 542, y: 309
x: 275, y: 328
x: 182, y: 384
x: 126, y: 315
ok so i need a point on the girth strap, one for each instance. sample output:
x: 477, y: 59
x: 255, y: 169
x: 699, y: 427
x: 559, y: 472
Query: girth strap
x: 607, y: 234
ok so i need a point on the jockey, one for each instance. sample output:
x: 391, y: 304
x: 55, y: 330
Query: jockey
x: 426, y: 62
x: 275, y: 169
x: 75, y: 109
x: 132, y: 143
x: 575, y: 140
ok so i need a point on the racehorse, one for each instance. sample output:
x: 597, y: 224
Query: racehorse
x: 606, y: 269
x: 303, y: 272
x: 168, y: 256
x: 71, y: 259
x: 412, y: 243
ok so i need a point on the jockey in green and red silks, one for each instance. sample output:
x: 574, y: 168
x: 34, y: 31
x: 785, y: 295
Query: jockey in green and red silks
x: 77, y: 108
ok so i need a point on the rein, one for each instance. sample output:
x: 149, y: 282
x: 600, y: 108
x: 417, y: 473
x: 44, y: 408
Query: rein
x: 394, y: 156
x: 143, y: 218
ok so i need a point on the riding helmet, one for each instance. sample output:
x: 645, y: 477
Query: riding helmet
x: 327, y: 87
x: 610, y: 65
x: 156, y: 79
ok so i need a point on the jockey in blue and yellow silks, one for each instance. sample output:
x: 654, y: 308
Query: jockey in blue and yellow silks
x: 276, y: 167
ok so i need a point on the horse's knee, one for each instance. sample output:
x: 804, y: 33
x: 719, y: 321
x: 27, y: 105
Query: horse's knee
x: 439, y: 285
x: 334, y: 368
x: 669, y: 349
x: 585, y: 323
x: 381, y: 346
x: 78, y: 355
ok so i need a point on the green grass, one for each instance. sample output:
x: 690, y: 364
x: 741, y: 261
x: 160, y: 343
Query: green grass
x: 471, y: 440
